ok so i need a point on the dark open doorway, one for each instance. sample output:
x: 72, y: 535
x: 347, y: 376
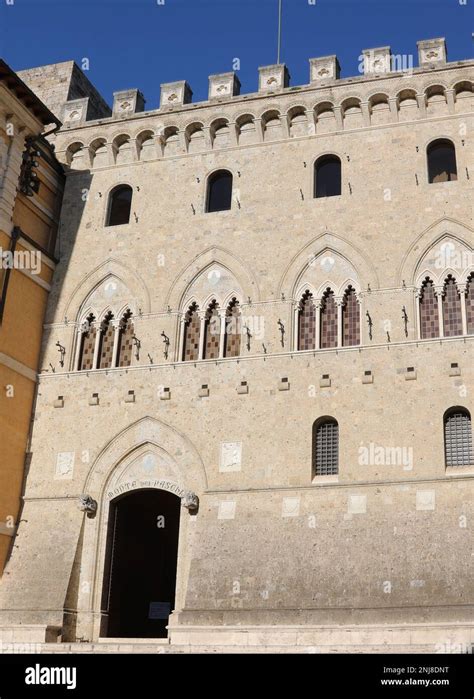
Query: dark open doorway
x: 140, y: 566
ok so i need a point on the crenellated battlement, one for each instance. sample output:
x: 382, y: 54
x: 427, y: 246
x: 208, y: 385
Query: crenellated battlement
x: 375, y: 64
x: 327, y: 105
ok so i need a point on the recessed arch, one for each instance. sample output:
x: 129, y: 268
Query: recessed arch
x: 445, y: 229
x: 354, y: 264
x: 271, y: 125
x: 297, y: 121
x: 99, y: 152
x: 109, y: 269
x: 182, y: 457
x: 246, y: 129
x: 194, y: 137
x: 75, y: 156
x: 214, y: 255
x: 219, y: 131
x: 146, y: 145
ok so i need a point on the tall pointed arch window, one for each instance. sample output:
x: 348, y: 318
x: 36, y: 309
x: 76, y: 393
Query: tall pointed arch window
x: 212, y: 332
x: 452, y: 310
x: 470, y: 305
x: 350, y: 318
x: 429, y: 314
x: 328, y: 320
x: 192, y: 334
x: 307, y: 322
x: 125, y: 340
x: 87, y: 344
x: 106, y: 342
x: 233, y: 329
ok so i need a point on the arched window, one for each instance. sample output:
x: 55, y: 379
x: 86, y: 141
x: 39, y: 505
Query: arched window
x: 458, y: 438
x: 106, y: 342
x: 192, y: 333
x: 120, y: 203
x: 125, y: 340
x: 350, y: 319
x: 470, y: 305
x: 325, y: 447
x: 429, y: 317
x: 328, y: 320
x: 87, y: 344
x: 233, y: 329
x: 212, y: 332
x: 452, y: 313
x: 219, y: 191
x: 441, y: 161
x: 327, y: 176
x: 307, y: 323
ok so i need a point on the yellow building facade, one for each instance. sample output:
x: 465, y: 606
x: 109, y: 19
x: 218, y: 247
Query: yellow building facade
x: 30, y: 197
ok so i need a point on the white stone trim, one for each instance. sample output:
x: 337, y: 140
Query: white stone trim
x: 35, y: 278
x: 6, y: 530
x: 18, y: 367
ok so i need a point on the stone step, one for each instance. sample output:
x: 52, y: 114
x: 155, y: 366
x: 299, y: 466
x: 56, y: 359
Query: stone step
x: 162, y: 646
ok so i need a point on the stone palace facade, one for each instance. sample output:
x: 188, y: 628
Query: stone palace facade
x: 258, y: 431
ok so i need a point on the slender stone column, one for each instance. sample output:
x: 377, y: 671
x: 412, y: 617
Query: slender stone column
x: 202, y: 333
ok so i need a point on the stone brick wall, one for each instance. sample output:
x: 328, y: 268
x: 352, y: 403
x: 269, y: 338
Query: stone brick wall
x: 381, y: 542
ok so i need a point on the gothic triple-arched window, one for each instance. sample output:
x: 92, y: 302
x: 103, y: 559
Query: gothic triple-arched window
x: 107, y: 344
x: 328, y: 322
x: 214, y: 334
x: 446, y: 310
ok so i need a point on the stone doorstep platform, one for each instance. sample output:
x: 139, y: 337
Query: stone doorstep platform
x: 449, y: 638
x: 129, y: 646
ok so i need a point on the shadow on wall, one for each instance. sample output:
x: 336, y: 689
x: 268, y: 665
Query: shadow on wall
x: 76, y: 192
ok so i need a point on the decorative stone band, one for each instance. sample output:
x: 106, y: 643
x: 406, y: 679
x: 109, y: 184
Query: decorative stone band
x: 189, y: 499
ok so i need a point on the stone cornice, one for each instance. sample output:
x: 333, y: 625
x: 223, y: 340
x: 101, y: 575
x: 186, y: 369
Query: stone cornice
x: 357, y: 85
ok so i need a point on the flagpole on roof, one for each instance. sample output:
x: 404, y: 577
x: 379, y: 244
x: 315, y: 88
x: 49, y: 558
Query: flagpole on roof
x: 279, y: 29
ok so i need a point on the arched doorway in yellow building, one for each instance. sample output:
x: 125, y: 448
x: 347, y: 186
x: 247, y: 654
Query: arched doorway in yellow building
x: 139, y: 586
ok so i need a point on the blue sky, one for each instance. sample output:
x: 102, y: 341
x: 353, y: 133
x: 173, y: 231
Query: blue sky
x: 140, y: 43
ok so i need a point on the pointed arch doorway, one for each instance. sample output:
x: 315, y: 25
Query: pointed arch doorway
x: 139, y: 585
